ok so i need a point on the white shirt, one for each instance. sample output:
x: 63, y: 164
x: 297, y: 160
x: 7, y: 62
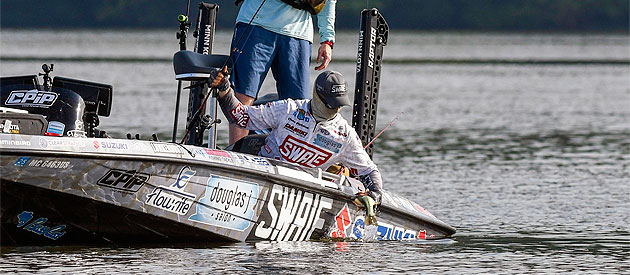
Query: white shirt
x: 297, y: 138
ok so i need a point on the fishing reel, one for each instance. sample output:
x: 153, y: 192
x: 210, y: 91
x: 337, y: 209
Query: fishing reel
x: 207, y: 122
x: 184, y: 24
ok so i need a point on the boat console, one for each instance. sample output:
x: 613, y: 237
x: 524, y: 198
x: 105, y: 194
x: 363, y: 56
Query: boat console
x: 69, y: 107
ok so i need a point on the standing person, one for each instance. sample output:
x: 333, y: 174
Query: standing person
x: 280, y: 37
x: 308, y: 132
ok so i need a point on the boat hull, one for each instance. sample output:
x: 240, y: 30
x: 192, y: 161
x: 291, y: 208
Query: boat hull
x: 84, y: 191
x: 84, y: 221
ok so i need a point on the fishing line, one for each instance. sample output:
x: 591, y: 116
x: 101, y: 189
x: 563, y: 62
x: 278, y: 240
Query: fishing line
x: 187, y: 8
x: 235, y: 46
x: 245, y: 31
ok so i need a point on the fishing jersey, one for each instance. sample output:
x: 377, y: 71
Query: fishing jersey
x: 297, y: 138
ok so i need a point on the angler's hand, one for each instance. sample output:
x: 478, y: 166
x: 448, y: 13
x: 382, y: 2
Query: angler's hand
x: 220, y: 80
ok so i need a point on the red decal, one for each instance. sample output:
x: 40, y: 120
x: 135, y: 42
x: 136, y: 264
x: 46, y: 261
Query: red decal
x: 96, y: 144
x: 216, y: 152
x: 52, y: 134
x: 342, y: 221
x: 297, y: 151
x: 422, y: 235
x: 240, y: 116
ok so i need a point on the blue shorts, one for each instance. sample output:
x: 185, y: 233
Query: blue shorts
x: 260, y: 50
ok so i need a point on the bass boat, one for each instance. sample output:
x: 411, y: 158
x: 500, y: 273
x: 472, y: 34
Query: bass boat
x: 66, y: 182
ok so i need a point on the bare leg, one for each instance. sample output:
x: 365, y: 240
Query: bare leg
x: 237, y: 133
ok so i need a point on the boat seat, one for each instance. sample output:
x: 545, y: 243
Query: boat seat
x: 249, y: 144
x: 192, y: 66
x: 266, y: 99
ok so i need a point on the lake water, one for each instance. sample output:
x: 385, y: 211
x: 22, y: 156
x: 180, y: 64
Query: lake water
x: 531, y: 163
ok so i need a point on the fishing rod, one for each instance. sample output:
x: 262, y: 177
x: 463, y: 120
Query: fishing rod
x: 366, y: 146
x: 213, y: 92
x: 390, y: 124
x: 184, y: 24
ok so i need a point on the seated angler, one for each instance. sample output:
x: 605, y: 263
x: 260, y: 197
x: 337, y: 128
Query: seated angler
x: 309, y: 132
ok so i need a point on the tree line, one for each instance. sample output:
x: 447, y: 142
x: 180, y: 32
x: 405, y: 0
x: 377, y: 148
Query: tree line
x: 494, y: 15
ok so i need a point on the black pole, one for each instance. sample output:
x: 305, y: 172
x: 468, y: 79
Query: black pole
x: 372, y: 37
x: 201, y: 47
x: 179, y: 95
x: 205, y: 39
x: 184, y: 24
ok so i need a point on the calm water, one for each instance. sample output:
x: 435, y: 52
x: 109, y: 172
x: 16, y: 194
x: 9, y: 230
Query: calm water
x: 530, y: 163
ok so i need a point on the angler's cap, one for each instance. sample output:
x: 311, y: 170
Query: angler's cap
x: 332, y: 88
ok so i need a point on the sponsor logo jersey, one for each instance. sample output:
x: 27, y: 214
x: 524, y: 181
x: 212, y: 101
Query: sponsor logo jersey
x: 297, y: 138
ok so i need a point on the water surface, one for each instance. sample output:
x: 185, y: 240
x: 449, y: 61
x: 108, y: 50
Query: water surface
x: 531, y: 163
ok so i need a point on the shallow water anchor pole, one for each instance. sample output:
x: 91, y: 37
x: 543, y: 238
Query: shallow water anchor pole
x: 204, y: 32
x: 372, y: 37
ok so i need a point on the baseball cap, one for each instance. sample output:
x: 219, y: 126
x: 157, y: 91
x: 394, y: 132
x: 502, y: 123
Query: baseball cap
x: 332, y: 88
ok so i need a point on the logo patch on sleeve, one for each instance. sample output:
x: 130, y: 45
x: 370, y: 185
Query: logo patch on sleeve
x: 240, y: 116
